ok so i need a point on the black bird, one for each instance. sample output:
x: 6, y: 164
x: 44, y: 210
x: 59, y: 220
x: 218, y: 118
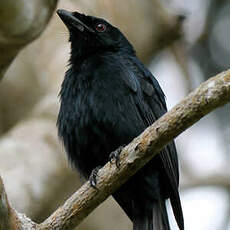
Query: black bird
x: 108, y: 98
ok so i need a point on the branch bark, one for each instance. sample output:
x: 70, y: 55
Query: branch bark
x: 9, y: 218
x: 211, y: 94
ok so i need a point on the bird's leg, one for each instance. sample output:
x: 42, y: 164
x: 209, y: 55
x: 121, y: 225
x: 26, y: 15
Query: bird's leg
x: 115, y: 155
x: 93, y: 177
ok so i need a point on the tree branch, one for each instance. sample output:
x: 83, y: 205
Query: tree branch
x: 4, y: 208
x: 9, y: 218
x: 211, y: 94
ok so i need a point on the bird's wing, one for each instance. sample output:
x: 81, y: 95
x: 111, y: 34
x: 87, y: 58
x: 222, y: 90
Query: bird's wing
x: 150, y: 100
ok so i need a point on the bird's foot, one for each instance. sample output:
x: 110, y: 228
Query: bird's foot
x: 115, y: 155
x: 93, y: 177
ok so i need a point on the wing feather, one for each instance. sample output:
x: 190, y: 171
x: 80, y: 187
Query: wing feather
x: 150, y: 101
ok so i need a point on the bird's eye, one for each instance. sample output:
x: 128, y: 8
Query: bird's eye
x: 100, y: 27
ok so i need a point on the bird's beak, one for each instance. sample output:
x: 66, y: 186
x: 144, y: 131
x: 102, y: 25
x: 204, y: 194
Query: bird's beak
x: 71, y: 21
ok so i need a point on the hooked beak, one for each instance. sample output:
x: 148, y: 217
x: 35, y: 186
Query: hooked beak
x: 71, y: 21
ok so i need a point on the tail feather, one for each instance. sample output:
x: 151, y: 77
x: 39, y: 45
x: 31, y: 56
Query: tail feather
x: 177, y: 209
x: 157, y: 219
x: 143, y: 222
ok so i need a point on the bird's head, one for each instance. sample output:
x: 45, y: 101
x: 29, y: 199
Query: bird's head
x: 90, y: 35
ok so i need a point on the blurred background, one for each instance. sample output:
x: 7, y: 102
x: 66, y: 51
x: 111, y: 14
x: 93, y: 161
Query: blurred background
x: 181, y: 53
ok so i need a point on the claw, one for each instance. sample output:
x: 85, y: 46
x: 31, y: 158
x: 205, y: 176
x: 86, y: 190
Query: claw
x: 115, y: 155
x: 93, y: 177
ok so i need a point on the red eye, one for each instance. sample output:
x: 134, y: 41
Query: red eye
x: 100, y: 27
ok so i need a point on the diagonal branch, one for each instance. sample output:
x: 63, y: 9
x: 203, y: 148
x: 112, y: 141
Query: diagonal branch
x: 211, y: 94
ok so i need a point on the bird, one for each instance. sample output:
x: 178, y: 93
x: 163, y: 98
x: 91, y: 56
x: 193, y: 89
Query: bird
x: 107, y: 98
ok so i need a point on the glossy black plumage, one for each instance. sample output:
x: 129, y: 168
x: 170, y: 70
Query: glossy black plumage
x: 108, y: 98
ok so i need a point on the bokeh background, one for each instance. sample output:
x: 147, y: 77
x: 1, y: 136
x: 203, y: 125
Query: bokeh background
x: 181, y: 53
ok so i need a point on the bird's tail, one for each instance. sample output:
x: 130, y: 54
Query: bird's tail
x: 157, y: 219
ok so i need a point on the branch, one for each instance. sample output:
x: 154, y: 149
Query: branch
x: 5, y: 210
x: 211, y: 94
x: 9, y: 218
x: 20, y: 24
